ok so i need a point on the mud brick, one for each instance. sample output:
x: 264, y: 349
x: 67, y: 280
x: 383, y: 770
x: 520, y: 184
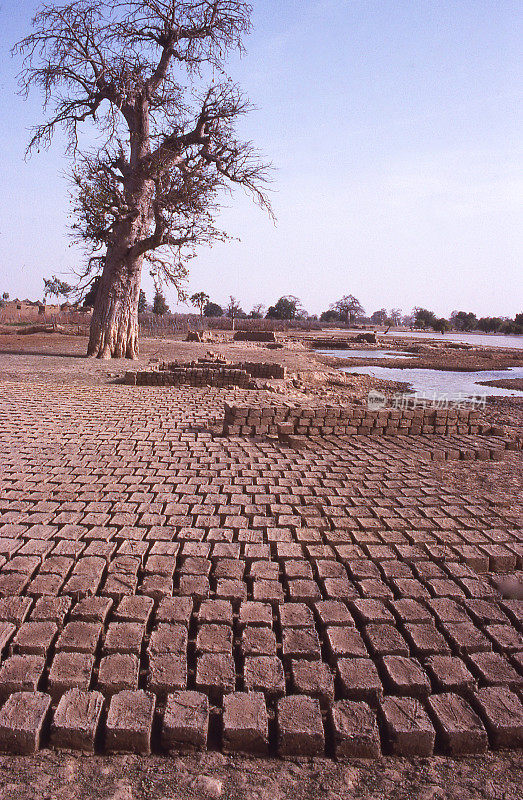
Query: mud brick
x: 301, y: 643
x: 465, y: 637
x: 156, y: 587
x: 257, y: 641
x: 356, y: 732
x: 82, y: 637
x: 218, y: 612
x: 254, y: 613
x: 297, y: 569
x: 129, y: 722
x: 245, y: 723
x: 449, y: 673
x: 215, y: 674
x: 270, y: 591
x: 303, y: 591
x: 473, y: 557
x: 35, y: 638
x: 135, y: 609
x: 195, y: 586
x: 396, y: 569
x: 15, y: 609
x: 168, y: 639
x: 185, y: 721
x: 80, y: 586
x: 505, y: 638
x: 408, y: 610
x: 117, y: 672
x: 514, y: 610
x: 300, y: 728
x: 12, y: 583
x: 76, y: 720
x: 45, y: 585
x: 264, y: 570
x: 296, y: 615
x: 385, y: 640
x: 124, y: 637
x: 343, y: 642
x: 408, y: 730
x: 502, y: 714
x: 166, y: 673
x: 22, y: 722
x: 359, y: 679
x: 501, y: 559
x: 51, y: 609
x: 458, y: 728
x: 70, y: 671
x: 494, y: 670
x: 265, y: 674
x: 214, y: 639
x: 253, y: 552
x: 231, y: 590
x: 339, y: 588
x: 446, y: 610
x: 161, y: 565
x: 333, y: 612
x: 367, y: 612
x: 444, y: 588
x: 328, y: 568
x: 175, y: 610
x: 410, y: 587
x: 21, y: 674
x: 425, y: 640
x: 312, y: 678
x: 405, y: 677
x: 229, y: 568
x: 195, y: 565
x: 486, y: 612
x: 92, y: 609
x: 7, y: 630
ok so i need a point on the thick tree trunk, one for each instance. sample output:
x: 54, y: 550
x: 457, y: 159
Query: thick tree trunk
x: 114, y: 324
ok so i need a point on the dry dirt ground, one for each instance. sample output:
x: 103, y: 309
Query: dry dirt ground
x: 88, y: 461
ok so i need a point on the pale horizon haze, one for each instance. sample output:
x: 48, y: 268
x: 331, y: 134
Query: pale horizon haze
x: 395, y: 132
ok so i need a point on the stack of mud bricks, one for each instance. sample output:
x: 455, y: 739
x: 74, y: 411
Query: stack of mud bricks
x: 254, y: 336
x: 347, y: 420
x: 206, y: 374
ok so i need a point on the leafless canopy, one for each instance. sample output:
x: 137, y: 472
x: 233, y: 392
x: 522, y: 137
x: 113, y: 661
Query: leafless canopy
x: 149, y: 75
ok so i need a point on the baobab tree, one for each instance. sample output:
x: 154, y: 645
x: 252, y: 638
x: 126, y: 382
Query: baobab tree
x: 149, y: 76
x: 348, y: 308
x: 199, y: 301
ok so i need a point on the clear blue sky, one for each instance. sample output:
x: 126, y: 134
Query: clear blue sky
x: 394, y: 128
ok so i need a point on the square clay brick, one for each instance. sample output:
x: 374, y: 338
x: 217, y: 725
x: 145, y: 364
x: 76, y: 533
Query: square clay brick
x: 130, y: 721
x: 82, y: 637
x: 269, y: 591
x: 22, y: 722
x: 35, y: 638
x: 51, y: 609
x: 214, y: 639
x: 258, y: 642
x: 458, y: 728
x: 345, y: 642
x: 175, y: 610
x: 218, y: 612
x: 118, y: 672
x: 505, y: 638
x: 449, y: 674
x: 15, y: 609
x: 69, y: 671
x: 369, y: 612
x: 312, y: 678
x: 215, y: 674
x: 265, y: 674
x: 166, y: 673
x: 92, y: 609
x: 296, y: 615
x: 168, y: 638
x: 464, y: 637
x: 300, y: 727
x: 356, y: 732
x: 135, y: 608
x: 359, y: 679
x: 502, y: 713
x: 21, y: 674
x: 385, y: 640
x: 124, y: 637
x: 405, y: 677
x: 408, y: 730
x: 426, y: 640
x: 301, y: 643
x: 333, y: 612
x: 494, y: 670
x: 245, y: 723
x: 76, y: 721
x: 255, y: 614
x: 185, y: 721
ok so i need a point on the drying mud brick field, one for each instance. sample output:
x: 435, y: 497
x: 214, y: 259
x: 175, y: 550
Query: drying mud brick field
x: 189, y: 609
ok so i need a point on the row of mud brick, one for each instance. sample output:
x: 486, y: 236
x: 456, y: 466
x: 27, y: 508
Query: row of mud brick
x: 223, y: 377
x: 133, y: 721
x: 254, y: 368
x: 325, y: 420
